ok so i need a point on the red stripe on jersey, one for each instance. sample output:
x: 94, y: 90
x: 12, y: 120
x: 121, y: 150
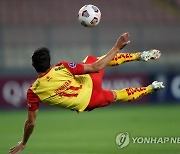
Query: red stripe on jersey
x: 67, y: 95
x: 75, y: 88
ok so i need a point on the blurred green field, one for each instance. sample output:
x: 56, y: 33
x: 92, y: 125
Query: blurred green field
x: 66, y: 132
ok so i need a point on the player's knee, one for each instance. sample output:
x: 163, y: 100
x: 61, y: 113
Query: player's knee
x: 114, y: 95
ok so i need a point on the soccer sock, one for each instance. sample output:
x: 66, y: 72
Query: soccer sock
x: 129, y: 94
x: 123, y: 57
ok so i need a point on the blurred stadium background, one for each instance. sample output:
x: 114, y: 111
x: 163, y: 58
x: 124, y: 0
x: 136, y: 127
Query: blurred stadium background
x: 26, y: 25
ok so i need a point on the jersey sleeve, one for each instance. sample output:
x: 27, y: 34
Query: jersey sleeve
x: 75, y: 69
x: 32, y: 100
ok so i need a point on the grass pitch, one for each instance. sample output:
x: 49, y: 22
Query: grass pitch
x: 66, y: 132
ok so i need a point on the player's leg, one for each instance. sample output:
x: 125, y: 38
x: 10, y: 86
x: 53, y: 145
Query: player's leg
x: 139, y: 56
x: 102, y: 97
x: 121, y: 58
x: 129, y: 94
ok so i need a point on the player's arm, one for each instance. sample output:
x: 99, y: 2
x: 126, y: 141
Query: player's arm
x: 102, y: 63
x: 28, y: 129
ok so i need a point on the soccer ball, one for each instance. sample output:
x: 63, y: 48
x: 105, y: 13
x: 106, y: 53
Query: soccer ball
x: 89, y: 15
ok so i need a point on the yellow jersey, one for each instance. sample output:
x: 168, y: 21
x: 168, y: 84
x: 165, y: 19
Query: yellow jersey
x: 64, y: 85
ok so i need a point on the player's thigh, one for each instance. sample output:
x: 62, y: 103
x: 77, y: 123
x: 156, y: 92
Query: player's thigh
x: 107, y: 97
x: 100, y: 98
x: 89, y: 59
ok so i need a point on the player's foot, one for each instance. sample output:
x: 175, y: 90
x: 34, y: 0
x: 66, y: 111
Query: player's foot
x: 157, y: 85
x: 151, y: 54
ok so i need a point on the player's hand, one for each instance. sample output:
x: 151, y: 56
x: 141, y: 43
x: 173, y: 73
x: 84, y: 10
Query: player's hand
x: 17, y: 149
x: 122, y: 41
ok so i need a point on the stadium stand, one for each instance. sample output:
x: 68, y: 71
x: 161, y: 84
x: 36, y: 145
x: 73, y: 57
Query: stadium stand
x: 28, y: 24
x: 40, y: 12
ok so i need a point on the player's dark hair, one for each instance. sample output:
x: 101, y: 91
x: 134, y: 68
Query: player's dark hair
x: 41, y: 59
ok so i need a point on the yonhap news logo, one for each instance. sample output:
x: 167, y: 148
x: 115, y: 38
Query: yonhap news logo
x: 123, y: 139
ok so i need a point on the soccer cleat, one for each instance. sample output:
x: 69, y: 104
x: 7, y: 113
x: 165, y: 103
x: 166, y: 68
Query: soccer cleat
x: 151, y: 54
x: 157, y: 85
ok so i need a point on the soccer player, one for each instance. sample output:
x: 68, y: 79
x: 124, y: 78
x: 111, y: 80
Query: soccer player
x: 79, y: 86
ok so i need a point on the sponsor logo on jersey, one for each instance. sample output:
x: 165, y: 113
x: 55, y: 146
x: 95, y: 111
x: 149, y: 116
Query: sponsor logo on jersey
x: 58, y: 68
x: 72, y: 65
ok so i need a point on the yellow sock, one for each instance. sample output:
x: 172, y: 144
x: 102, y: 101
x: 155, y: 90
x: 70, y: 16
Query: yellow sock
x: 129, y: 94
x: 123, y: 57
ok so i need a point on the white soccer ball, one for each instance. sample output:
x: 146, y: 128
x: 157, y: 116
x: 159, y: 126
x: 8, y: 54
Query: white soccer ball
x: 89, y: 15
